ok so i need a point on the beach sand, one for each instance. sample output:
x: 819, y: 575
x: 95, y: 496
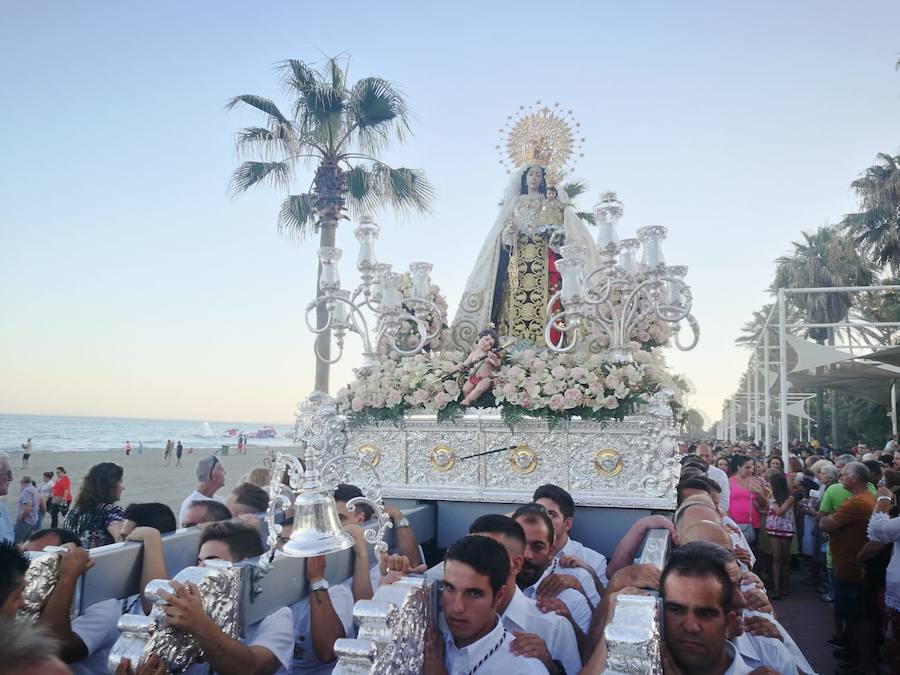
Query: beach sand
x: 146, y: 479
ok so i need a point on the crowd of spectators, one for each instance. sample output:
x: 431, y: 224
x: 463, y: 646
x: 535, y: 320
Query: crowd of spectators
x: 828, y: 515
x: 518, y: 594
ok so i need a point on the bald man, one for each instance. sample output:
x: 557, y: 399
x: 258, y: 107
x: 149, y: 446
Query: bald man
x: 705, y: 453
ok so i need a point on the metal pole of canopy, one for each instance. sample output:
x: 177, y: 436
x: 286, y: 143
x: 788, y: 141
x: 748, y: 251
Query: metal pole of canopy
x: 747, y: 392
x: 756, y: 400
x: 894, y: 408
x: 782, y: 376
x: 734, y: 418
x: 766, y: 412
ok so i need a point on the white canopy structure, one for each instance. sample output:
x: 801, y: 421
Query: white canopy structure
x: 853, y: 364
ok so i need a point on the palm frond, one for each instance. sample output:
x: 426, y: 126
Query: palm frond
x: 361, y: 197
x: 338, y: 74
x: 587, y: 217
x: 375, y: 110
x: 408, y: 188
x: 249, y: 174
x: 260, y: 103
x: 296, y: 76
x: 265, y: 141
x: 575, y: 189
x: 297, y: 216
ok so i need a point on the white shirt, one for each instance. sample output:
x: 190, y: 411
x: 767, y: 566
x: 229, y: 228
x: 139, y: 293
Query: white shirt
x: 98, y: 629
x: 596, y: 560
x: 738, y: 537
x: 887, y: 530
x: 759, y: 651
x: 557, y: 633
x: 6, y: 527
x: 195, y: 496
x: 799, y: 660
x: 575, y: 601
x: 501, y: 662
x: 738, y: 665
x: 275, y: 633
x: 585, y: 579
x: 721, y: 478
x: 305, y: 659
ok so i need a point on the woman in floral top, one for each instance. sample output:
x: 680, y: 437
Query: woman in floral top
x: 95, y: 517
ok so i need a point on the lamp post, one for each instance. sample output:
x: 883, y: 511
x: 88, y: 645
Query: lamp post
x: 622, y: 292
x: 397, y: 326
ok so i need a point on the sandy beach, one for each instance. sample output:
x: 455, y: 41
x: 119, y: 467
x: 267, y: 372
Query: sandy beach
x: 146, y: 478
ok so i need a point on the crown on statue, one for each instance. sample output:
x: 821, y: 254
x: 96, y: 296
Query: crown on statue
x: 541, y: 135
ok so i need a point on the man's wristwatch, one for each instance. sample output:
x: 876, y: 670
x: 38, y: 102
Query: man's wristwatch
x: 319, y: 585
x: 403, y: 522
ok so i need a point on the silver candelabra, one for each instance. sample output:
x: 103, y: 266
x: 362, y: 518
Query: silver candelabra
x: 621, y: 293
x: 398, y: 323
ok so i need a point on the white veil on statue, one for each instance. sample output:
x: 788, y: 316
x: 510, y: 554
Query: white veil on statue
x: 476, y: 305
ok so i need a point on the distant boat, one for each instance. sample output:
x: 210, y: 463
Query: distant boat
x: 232, y: 432
x: 264, y: 432
x: 205, y: 431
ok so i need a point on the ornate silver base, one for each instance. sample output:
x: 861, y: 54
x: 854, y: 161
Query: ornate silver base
x: 626, y: 464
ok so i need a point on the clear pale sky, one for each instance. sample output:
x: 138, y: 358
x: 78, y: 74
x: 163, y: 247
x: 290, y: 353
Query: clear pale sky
x: 132, y: 284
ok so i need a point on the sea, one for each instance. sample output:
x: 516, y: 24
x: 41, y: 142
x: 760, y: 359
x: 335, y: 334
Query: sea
x: 52, y: 433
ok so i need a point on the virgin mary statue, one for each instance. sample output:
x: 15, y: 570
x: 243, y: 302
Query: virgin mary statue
x: 515, y: 273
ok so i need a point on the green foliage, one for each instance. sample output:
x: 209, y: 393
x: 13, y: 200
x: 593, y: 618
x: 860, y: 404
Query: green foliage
x: 876, y: 228
x: 332, y: 124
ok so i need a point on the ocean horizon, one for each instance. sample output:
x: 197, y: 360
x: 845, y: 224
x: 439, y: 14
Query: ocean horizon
x: 65, y: 433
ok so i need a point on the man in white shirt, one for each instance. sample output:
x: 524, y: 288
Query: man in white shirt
x: 267, y: 647
x: 539, y: 564
x: 323, y: 616
x: 705, y: 453
x: 561, y: 509
x: 698, y: 613
x: 7, y: 533
x: 548, y: 637
x: 211, y: 478
x: 472, y: 636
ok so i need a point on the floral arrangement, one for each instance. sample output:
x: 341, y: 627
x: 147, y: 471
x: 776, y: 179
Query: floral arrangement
x: 650, y: 332
x: 436, y: 321
x: 531, y: 382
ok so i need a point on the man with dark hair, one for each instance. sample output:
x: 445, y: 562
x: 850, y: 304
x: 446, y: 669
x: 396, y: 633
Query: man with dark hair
x: 13, y: 565
x: 150, y: 514
x: 540, y: 563
x: 474, y: 638
x: 406, y: 538
x: 247, y: 499
x: 268, y: 645
x: 575, y: 559
x: 705, y: 453
x: 548, y: 637
x: 210, y: 479
x: 51, y: 536
x: 698, y: 613
x: 205, y: 511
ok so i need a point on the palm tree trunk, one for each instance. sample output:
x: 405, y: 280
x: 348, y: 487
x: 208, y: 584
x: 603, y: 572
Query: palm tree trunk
x: 835, y: 441
x: 330, y: 192
x: 327, y: 237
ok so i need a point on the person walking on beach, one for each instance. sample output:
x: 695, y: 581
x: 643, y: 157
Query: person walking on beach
x: 60, y: 496
x: 127, y: 448
x: 26, y: 453
x: 140, y: 447
x: 179, y: 450
x: 167, y: 456
x: 28, y: 509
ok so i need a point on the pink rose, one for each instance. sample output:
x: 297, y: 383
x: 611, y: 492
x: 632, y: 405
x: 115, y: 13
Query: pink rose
x: 611, y: 403
x: 441, y: 400
x: 356, y: 405
x: 509, y: 390
x: 421, y: 396
x: 574, y: 395
x: 557, y: 402
x: 539, y: 365
x: 559, y: 372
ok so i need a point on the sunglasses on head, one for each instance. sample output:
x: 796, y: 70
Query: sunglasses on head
x: 213, y: 467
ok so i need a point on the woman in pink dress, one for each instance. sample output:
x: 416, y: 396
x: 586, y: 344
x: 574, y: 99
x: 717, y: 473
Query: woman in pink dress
x: 747, y: 496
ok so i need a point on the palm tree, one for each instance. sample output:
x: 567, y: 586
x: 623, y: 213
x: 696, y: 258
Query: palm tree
x: 573, y: 190
x: 823, y: 259
x: 876, y: 228
x: 337, y: 130
x: 752, y: 330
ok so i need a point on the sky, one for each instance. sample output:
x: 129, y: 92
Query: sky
x: 132, y: 283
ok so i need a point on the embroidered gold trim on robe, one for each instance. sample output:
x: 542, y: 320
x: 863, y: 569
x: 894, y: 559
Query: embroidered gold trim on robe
x: 526, y: 290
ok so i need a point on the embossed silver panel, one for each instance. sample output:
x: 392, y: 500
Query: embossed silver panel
x: 630, y: 463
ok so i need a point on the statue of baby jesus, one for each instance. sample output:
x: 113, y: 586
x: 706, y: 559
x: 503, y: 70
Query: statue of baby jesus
x: 484, y: 361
